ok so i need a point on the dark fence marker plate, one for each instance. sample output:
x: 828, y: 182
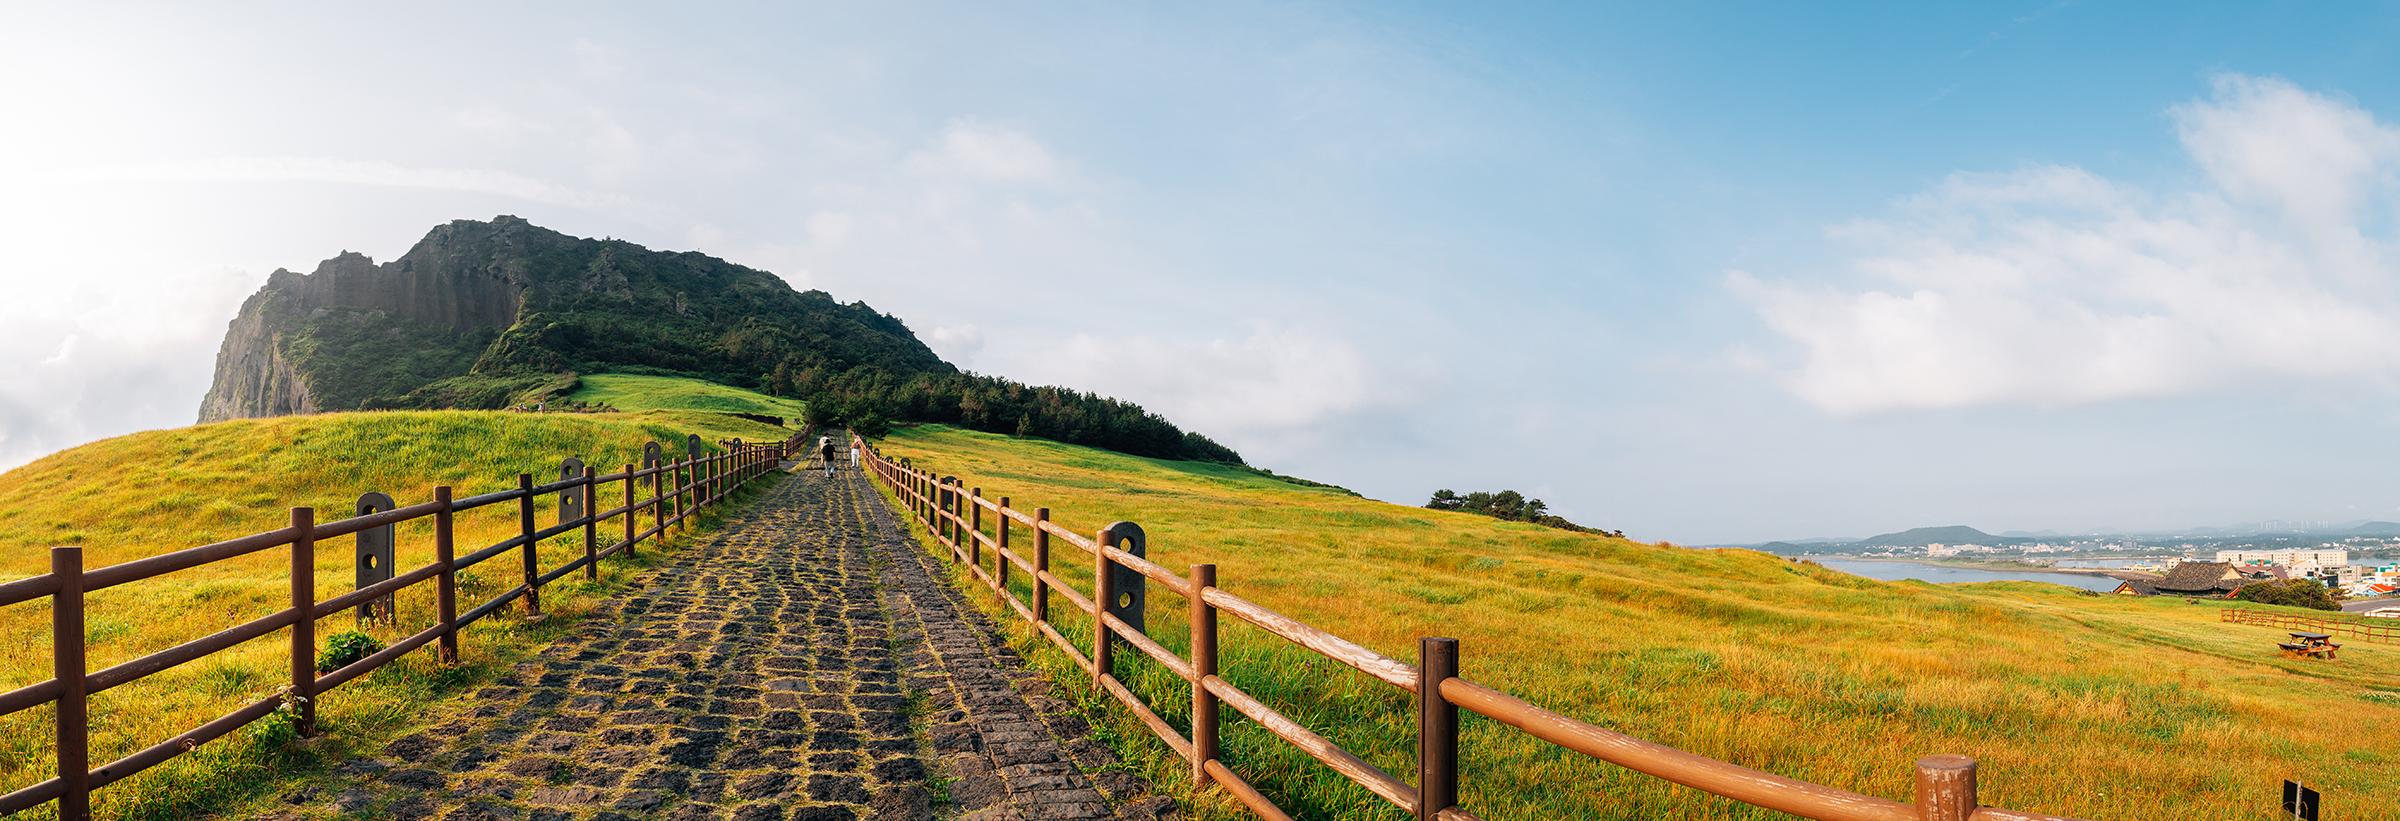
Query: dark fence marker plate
x: 2299, y: 802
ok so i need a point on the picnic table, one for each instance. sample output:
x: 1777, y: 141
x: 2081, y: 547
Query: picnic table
x: 2310, y: 645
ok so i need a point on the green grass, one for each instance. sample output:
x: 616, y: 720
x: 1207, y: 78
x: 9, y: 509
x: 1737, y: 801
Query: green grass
x: 635, y: 392
x: 159, y: 491
x: 2094, y: 707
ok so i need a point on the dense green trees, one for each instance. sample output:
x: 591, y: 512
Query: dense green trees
x: 1509, y: 505
x: 2308, y: 593
x: 870, y: 399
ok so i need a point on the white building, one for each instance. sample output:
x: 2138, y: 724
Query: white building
x: 2301, y: 561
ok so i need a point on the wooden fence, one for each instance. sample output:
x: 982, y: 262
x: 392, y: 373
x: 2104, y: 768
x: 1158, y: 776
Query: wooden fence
x: 1945, y: 784
x: 2332, y: 627
x: 677, y: 490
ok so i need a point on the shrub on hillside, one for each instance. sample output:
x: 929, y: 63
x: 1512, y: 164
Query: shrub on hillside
x: 2308, y: 593
x: 1511, y: 506
x: 341, y: 649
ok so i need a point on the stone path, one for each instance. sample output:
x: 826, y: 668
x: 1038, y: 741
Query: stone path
x: 805, y: 663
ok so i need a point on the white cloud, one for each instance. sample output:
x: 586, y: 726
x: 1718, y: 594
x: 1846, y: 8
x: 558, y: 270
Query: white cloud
x: 829, y: 228
x: 2266, y: 140
x: 349, y: 172
x: 2054, y: 286
x: 612, y: 151
x: 103, y: 359
x: 956, y: 343
x: 597, y: 61
x: 982, y: 152
x: 1271, y: 383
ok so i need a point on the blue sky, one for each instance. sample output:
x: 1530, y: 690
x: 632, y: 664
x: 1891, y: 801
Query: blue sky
x: 1704, y: 273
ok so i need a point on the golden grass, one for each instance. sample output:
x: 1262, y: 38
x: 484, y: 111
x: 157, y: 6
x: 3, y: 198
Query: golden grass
x: 160, y: 491
x: 2095, y: 707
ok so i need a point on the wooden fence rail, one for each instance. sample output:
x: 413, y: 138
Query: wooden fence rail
x: 2332, y: 627
x: 686, y: 486
x: 1945, y: 784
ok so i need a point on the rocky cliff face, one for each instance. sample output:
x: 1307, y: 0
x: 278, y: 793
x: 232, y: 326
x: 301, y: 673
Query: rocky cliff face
x: 438, y: 285
x: 252, y: 377
x: 475, y: 304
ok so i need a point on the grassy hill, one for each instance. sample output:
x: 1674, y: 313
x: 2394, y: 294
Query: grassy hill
x: 2095, y: 707
x: 159, y: 491
x: 635, y: 392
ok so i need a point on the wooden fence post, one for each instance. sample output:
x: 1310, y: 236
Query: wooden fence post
x: 941, y: 517
x: 685, y: 476
x: 681, y: 476
x: 950, y: 500
x: 1437, y: 728
x: 304, y: 625
x: 658, y: 501
x: 1103, y: 594
x: 591, y: 526
x: 1945, y: 788
x: 1204, y: 665
x: 974, y: 527
x: 73, y: 724
x: 1000, y: 556
x: 445, y: 583
x: 1041, y: 567
x: 533, y: 569
x: 630, y: 519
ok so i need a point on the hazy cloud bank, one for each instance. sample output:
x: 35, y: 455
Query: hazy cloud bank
x: 2055, y: 286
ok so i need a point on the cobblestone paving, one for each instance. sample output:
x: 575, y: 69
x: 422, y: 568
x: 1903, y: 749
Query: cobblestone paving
x: 800, y: 665
x: 995, y: 726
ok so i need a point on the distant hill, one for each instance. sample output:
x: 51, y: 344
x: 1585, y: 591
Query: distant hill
x: 2384, y: 529
x: 1922, y: 536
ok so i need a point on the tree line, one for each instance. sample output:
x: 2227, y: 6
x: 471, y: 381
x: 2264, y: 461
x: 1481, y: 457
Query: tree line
x: 870, y: 400
x: 1511, y: 506
x: 2308, y: 593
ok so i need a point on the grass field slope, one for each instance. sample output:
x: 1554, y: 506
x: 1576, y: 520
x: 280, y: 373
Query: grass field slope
x: 635, y: 393
x: 159, y: 491
x: 2095, y: 707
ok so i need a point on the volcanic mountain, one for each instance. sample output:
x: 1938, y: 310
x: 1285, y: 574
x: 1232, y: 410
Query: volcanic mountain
x: 477, y: 311
x: 500, y: 313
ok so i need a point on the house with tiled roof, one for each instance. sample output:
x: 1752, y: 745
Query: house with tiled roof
x: 2135, y: 587
x: 2201, y: 579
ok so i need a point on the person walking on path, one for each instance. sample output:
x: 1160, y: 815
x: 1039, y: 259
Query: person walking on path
x: 825, y: 451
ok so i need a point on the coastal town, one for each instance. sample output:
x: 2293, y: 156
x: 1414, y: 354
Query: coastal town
x: 2368, y: 585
